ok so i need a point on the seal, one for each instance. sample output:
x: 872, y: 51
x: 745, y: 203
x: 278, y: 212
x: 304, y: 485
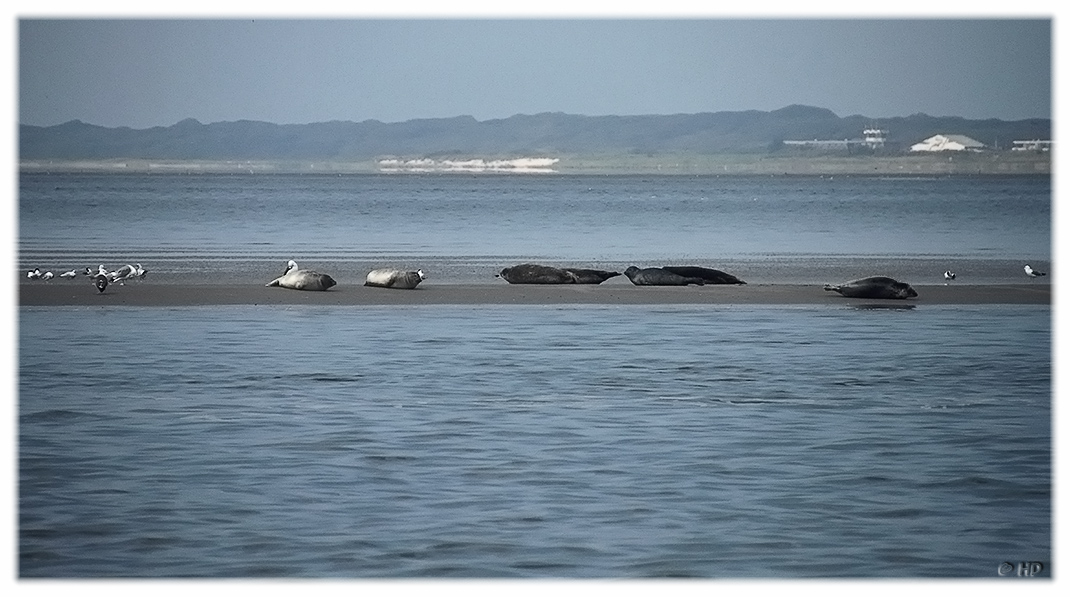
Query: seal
x: 590, y: 276
x: 533, y: 273
x: 657, y: 276
x: 874, y: 287
x: 299, y: 279
x: 101, y: 282
x: 394, y: 278
x: 708, y: 274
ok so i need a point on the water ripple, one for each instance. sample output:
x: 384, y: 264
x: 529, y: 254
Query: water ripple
x: 497, y: 443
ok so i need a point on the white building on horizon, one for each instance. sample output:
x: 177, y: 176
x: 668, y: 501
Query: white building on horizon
x: 948, y: 143
x: 1032, y: 145
x: 875, y: 137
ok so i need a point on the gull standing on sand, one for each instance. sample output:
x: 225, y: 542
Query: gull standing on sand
x: 291, y: 266
x: 123, y: 273
x: 299, y: 279
x: 1032, y: 273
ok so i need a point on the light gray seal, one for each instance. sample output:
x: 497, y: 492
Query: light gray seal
x: 394, y: 278
x: 708, y: 274
x: 301, y: 279
x: 657, y: 276
x: 874, y: 287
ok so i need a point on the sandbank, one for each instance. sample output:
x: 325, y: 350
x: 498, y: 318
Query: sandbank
x: 147, y: 294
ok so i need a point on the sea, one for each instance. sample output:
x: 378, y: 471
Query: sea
x: 833, y: 440
x: 461, y: 228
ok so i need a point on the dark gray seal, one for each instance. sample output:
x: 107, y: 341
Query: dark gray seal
x: 590, y: 276
x: 874, y: 287
x: 100, y: 281
x: 708, y: 274
x: 533, y: 273
x: 302, y: 279
x: 657, y: 276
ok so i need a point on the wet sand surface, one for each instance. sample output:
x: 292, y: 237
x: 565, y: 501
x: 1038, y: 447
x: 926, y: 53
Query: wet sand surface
x: 148, y: 294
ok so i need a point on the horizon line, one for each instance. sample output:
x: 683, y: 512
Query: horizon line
x: 192, y: 120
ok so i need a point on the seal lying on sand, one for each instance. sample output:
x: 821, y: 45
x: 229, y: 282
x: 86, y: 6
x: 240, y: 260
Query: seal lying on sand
x: 394, y: 278
x: 657, y: 276
x: 533, y: 273
x: 875, y: 287
x: 708, y: 275
x: 590, y: 276
x: 300, y: 279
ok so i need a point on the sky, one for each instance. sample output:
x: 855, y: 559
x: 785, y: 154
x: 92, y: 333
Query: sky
x: 155, y: 71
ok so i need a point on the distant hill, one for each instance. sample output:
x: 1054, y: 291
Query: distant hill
x: 749, y: 131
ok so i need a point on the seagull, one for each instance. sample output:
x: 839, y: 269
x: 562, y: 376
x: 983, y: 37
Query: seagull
x: 69, y: 274
x: 34, y: 274
x: 139, y: 272
x: 123, y: 273
x: 949, y: 275
x: 1032, y: 273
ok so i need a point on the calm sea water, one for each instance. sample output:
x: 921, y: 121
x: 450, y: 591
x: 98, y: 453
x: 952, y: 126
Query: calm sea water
x: 508, y: 441
x: 498, y: 441
x: 459, y: 228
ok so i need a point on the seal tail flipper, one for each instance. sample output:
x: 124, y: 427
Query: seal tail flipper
x: 831, y: 287
x: 274, y: 282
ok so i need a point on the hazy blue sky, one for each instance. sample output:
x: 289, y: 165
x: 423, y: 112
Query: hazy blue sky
x: 143, y: 73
